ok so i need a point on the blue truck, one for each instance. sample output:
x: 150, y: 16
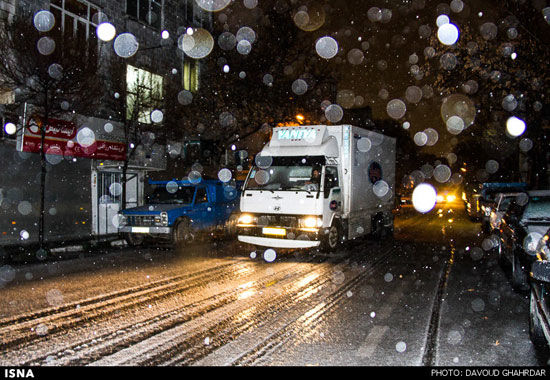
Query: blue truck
x: 179, y: 211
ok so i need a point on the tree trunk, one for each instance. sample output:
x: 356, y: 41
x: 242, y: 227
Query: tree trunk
x: 42, y: 174
x: 124, y: 182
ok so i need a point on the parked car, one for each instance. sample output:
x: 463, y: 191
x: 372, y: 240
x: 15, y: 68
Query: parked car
x: 487, y: 202
x: 539, y: 300
x: 502, y: 202
x: 521, y: 228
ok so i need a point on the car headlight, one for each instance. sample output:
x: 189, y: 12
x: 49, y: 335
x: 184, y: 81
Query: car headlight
x: 246, y: 219
x: 311, y: 222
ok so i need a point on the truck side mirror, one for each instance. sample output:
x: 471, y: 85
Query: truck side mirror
x: 333, y: 190
x: 541, y: 271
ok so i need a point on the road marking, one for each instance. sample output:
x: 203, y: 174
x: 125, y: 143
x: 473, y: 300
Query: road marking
x: 388, y: 307
x: 377, y: 333
x: 371, y: 342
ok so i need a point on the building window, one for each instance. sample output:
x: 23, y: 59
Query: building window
x: 144, y: 94
x: 190, y: 75
x: 76, y: 19
x: 147, y: 11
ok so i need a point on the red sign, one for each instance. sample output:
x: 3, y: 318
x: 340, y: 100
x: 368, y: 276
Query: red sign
x: 56, y: 129
x: 65, y: 139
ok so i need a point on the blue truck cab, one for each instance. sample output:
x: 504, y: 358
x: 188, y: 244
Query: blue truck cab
x: 178, y: 211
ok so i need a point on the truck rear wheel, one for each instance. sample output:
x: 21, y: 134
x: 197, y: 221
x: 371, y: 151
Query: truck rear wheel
x: 231, y: 225
x: 379, y: 230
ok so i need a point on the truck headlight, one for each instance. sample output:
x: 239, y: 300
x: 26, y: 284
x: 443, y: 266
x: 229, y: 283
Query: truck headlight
x: 162, y: 219
x: 311, y: 222
x: 122, y: 220
x: 246, y: 219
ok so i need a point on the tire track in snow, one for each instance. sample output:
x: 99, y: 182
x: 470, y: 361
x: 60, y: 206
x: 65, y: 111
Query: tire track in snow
x: 93, y: 349
x: 250, y: 350
x: 20, y: 330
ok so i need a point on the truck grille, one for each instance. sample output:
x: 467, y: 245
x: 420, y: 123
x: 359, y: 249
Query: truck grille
x: 140, y: 220
x: 278, y: 220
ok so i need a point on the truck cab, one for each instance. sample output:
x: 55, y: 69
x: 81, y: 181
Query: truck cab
x: 294, y: 202
x: 316, y: 186
x: 178, y: 211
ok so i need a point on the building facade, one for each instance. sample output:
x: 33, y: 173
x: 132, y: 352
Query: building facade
x: 83, y: 190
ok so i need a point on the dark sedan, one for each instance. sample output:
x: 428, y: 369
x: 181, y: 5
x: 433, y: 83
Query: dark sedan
x: 522, y: 226
x: 539, y: 308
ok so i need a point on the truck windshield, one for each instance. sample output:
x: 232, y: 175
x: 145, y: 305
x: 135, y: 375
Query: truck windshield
x: 287, y: 173
x: 183, y: 195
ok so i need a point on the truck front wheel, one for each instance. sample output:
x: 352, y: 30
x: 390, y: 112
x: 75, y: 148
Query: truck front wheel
x: 331, y: 240
x: 182, y: 232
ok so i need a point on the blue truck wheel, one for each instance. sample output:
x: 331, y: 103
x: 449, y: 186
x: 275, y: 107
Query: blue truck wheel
x: 182, y: 232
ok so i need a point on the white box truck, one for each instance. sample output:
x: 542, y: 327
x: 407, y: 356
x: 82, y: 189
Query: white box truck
x: 316, y: 186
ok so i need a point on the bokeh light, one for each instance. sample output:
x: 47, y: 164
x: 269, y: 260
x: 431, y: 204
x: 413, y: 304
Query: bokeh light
x: 515, y: 126
x: 424, y: 197
x: 448, y: 34
x: 105, y: 31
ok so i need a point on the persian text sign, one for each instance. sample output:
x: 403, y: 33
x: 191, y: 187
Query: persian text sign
x: 62, y: 138
x: 55, y: 129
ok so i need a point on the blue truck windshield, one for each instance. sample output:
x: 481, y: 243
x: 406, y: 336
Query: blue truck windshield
x: 162, y: 195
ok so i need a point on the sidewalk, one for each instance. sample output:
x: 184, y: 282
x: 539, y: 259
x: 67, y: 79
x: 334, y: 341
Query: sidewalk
x: 25, y: 253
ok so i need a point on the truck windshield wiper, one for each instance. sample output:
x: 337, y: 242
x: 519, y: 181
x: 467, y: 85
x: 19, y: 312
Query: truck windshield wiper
x: 256, y: 189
